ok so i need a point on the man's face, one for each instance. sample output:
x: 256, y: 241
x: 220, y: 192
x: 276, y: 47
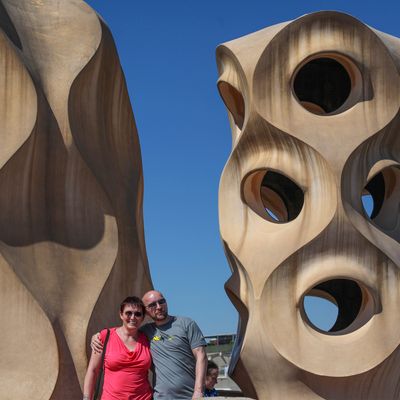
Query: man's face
x: 156, y: 306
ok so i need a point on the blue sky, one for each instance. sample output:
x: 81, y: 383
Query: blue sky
x: 167, y: 51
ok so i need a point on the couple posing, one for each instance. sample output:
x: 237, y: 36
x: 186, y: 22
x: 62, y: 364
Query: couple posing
x: 177, y: 350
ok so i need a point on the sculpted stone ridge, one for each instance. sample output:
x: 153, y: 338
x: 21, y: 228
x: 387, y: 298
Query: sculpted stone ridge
x: 314, y: 110
x: 71, y: 229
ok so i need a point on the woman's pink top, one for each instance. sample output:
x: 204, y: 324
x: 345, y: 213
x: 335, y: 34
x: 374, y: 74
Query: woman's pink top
x: 125, y: 371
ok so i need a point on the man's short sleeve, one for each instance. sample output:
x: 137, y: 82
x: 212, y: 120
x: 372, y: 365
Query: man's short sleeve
x: 195, y: 336
x: 148, y: 329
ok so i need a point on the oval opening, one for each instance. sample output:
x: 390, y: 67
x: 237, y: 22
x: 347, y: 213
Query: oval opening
x: 272, y: 195
x: 380, y: 198
x: 234, y: 102
x: 282, y: 199
x: 373, y: 195
x: 322, y: 85
x: 345, y: 295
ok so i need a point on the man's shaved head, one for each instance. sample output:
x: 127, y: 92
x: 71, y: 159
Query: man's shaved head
x: 156, y: 306
x: 151, y: 295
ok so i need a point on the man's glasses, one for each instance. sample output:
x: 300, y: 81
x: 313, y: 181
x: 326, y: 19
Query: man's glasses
x: 154, y: 303
x: 136, y: 314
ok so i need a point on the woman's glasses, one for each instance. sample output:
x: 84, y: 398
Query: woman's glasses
x: 136, y: 314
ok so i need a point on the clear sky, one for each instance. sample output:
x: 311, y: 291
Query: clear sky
x: 167, y: 51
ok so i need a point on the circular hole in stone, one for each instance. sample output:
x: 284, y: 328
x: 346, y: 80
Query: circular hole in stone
x: 234, y: 102
x: 344, y: 294
x: 381, y: 201
x: 282, y: 199
x: 373, y: 195
x: 272, y: 195
x: 322, y: 85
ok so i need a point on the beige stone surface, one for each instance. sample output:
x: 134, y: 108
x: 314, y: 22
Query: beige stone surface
x: 71, y: 228
x: 222, y: 398
x: 314, y: 111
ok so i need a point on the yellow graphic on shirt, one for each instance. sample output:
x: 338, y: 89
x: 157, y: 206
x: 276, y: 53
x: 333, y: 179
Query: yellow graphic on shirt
x: 158, y: 338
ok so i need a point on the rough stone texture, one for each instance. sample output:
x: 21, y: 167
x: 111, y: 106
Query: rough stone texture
x: 71, y: 229
x: 308, y: 155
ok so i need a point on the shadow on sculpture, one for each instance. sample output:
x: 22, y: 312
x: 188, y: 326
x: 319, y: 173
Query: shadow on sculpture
x: 314, y: 111
x: 71, y: 229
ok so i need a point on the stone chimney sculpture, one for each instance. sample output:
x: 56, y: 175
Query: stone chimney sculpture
x: 314, y: 110
x: 71, y: 229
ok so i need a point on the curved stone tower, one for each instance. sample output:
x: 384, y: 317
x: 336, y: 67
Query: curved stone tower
x: 71, y: 228
x: 314, y: 111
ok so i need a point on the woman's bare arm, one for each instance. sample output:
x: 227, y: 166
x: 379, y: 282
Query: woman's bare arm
x: 91, y: 375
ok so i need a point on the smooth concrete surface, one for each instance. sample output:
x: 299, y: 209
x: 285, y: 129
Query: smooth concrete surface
x: 71, y: 228
x: 314, y: 111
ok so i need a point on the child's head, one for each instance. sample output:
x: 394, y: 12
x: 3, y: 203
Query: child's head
x: 212, y: 375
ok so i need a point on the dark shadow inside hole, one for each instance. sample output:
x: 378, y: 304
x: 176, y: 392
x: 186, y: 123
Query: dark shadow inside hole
x: 281, y: 197
x: 376, y: 189
x: 322, y: 85
x: 348, y: 297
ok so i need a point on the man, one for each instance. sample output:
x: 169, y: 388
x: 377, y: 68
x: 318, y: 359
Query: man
x: 177, y: 349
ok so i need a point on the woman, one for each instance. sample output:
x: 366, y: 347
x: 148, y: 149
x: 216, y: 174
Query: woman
x: 127, y: 358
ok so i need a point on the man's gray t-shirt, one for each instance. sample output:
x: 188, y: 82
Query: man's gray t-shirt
x: 171, y: 347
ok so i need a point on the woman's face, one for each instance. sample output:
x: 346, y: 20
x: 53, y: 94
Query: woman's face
x: 132, y: 316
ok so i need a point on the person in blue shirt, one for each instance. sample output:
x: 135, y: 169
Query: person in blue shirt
x: 211, y: 380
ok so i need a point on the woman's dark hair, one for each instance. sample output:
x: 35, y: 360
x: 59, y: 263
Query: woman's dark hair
x: 211, y: 365
x: 132, y: 300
